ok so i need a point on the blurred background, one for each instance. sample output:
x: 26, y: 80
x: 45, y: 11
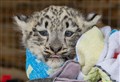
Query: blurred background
x: 12, y: 53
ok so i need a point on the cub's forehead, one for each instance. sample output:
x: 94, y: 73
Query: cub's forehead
x: 56, y: 17
x: 56, y: 12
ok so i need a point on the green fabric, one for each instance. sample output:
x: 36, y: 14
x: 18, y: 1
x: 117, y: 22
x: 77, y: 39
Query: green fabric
x: 89, y: 48
x: 96, y: 74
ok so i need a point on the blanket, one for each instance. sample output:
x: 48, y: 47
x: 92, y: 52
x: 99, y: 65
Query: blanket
x: 107, y: 68
x: 36, y: 68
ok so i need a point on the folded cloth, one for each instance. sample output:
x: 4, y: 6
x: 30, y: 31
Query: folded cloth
x: 114, y: 44
x: 107, y: 71
x: 88, y: 48
x: 107, y: 67
x: 97, y: 74
x: 110, y: 64
x: 35, y: 68
x: 111, y: 67
x: 106, y: 32
x: 68, y: 72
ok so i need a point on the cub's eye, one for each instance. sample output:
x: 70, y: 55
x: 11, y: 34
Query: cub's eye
x: 68, y: 33
x: 43, y: 33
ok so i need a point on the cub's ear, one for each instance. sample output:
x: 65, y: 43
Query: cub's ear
x: 91, y: 20
x: 21, y: 21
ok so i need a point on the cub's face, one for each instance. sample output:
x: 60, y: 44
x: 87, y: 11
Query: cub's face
x: 52, y: 33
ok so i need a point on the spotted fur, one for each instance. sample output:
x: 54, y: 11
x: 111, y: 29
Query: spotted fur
x: 52, y: 33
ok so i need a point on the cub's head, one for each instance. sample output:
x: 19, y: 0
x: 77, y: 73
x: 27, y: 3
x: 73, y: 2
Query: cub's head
x: 52, y: 33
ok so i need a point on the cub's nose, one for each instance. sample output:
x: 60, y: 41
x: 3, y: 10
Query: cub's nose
x: 55, y: 44
x: 56, y: 49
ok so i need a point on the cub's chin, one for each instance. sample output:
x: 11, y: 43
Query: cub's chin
x: 55, y: 62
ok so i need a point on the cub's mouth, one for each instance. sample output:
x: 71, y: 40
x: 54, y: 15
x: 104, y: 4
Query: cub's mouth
x: 56, y: 60
x: 55, y: 56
